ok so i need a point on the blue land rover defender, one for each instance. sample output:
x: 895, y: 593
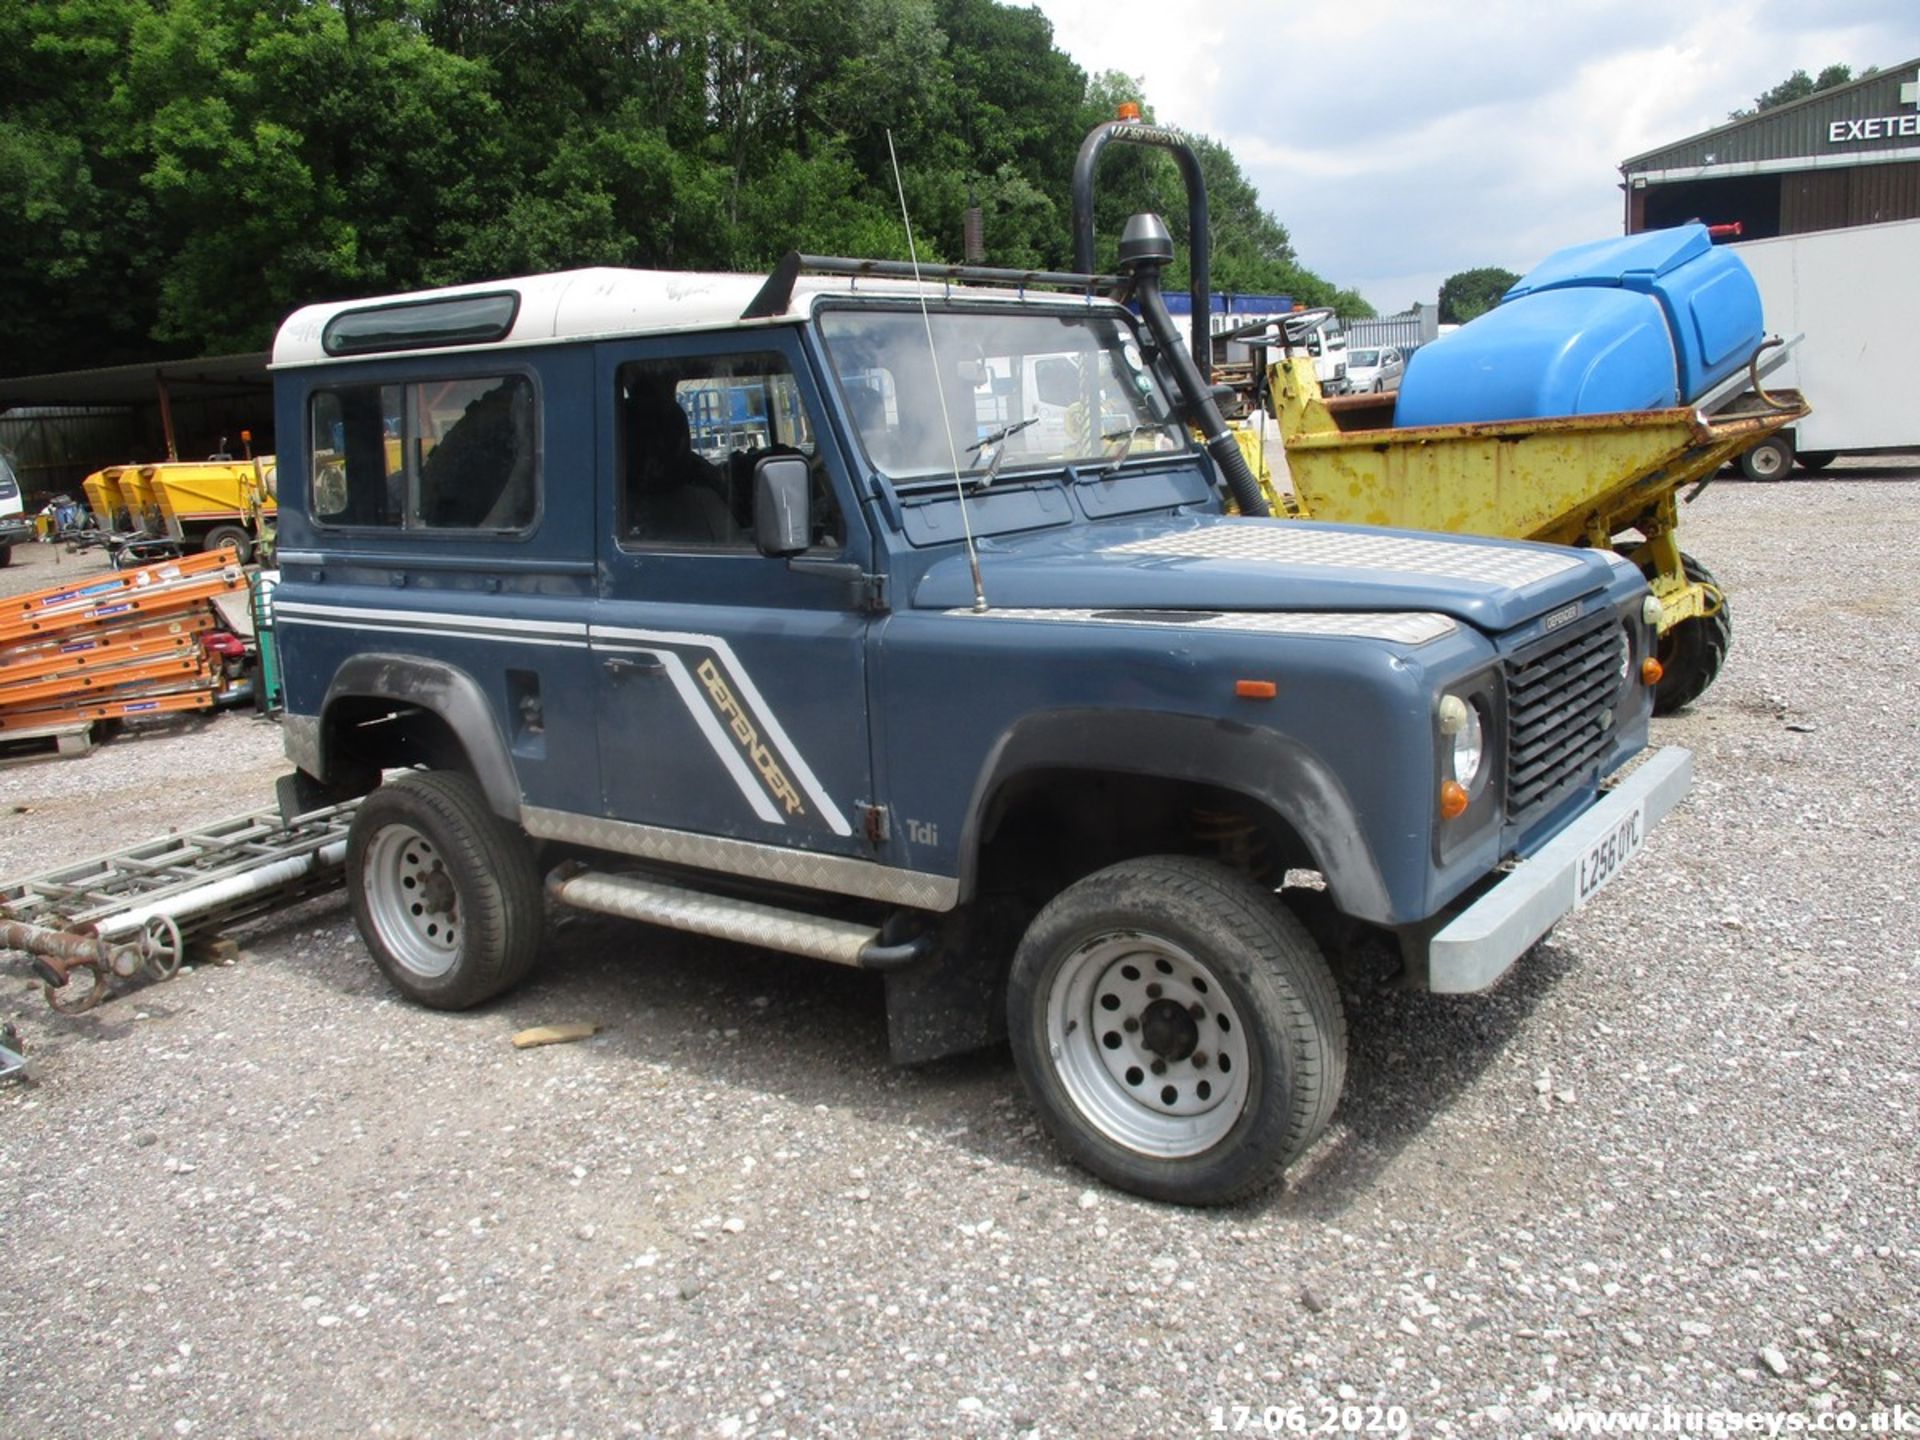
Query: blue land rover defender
x: 900, y: 623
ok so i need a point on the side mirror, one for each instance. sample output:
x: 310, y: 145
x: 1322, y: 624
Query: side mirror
x: 1058, y: 381
x: 782, y: 505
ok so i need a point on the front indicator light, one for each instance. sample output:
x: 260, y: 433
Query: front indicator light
x: 1651, y: 670
x: 1453, y: 799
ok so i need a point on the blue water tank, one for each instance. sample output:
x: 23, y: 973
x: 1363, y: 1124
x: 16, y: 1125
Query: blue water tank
x: 1575, y: 351
x: 1708, y: 295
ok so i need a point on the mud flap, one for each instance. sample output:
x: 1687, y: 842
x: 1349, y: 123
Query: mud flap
x: 955, y: 1001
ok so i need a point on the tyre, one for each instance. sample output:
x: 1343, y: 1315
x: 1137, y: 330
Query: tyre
x: 1771, y: 459
x: 1180, y: 1034
x: 222, y: 535
x: 6, y: 556
x: 1692, y: 652
x: 445, y: 893
x: 1814, y: 461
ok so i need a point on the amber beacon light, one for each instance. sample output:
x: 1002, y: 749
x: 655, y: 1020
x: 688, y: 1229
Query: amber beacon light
x: 1126, y: 110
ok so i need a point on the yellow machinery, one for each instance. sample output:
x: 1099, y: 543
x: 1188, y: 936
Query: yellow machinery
x: 99, y: 504
x: 214, y: 503
x: 1597, y: 480
x: 136, y: 495
x: 110, y: 503
x: 184, y: 506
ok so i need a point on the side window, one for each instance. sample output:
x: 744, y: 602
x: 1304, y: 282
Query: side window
x: 691, y: 432
x: 427, y: 455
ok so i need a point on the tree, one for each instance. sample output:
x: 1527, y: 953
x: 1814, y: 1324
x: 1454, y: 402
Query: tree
x: 79, y: 267
x: 1473, y: 292
x: 1798, y: 86
x: 185, y: 172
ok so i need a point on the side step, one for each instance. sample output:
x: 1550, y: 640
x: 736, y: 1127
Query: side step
x: 722, y: 917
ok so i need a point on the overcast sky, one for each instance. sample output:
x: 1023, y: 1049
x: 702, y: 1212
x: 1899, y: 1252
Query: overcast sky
x: 1400, y: 142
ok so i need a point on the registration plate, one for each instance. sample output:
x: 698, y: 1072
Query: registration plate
x: 1608, y: 856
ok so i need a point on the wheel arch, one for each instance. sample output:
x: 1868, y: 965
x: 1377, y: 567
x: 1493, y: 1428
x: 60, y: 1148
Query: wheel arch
x: 438, y: 715
x: 1270, y: 780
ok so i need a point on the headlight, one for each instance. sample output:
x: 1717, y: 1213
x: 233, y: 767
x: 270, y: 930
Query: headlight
x: 1461, y: 722
x: 1469, y: 748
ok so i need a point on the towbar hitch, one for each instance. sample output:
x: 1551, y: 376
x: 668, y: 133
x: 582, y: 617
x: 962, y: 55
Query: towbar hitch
x: 59, y: 955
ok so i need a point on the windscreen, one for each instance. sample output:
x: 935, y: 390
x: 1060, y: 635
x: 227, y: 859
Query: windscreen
x: 1046, y: 390
x: 1357, y: 358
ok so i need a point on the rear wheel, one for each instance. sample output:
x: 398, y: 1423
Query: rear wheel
x: 6, y: 556
x: 223, y: 535
x: 1814, y: 461
x: 445, y: 893
x: 1692, y: 652
x: 1771, y: 459
x: 1178, y: 1030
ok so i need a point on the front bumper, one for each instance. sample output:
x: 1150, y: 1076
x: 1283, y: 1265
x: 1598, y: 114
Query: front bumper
x: 1477, y: 946
x: 15, y: 529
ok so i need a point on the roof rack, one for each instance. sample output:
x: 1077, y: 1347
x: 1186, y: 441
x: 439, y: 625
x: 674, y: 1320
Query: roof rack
x: 777, y: 293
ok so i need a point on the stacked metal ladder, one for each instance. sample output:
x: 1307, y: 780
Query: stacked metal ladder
x: 134, y: 642
x: 134, y: 911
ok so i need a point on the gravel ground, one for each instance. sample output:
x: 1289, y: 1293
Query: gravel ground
x: 1670, y: 1160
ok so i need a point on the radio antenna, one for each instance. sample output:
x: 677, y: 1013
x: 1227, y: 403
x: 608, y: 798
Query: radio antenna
x: 940, y: 388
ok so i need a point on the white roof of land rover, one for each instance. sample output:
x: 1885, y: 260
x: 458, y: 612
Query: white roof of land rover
x: 605, y: 302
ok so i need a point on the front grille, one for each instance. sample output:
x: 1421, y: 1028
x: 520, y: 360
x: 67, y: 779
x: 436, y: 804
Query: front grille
x: 1560, y: 692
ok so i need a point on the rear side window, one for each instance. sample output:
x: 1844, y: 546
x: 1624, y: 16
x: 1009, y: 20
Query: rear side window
x: 427, y: 455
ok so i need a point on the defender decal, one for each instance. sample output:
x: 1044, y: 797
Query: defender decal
x: 717, y: 739
x: 742, y: 730
x: 737, y: 722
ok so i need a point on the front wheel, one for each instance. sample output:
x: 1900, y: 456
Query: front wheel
x: 1178, y: 1030
x: 1692, y: 652
x: 1814, y: 461
x: 444, y: 892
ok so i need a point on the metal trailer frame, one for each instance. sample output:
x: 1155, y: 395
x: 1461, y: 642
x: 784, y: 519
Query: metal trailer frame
x: 135, y: 909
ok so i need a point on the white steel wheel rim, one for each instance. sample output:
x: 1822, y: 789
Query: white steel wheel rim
x: 1767, y: 462
x: 1147, y: 1044
x: 413, y: 902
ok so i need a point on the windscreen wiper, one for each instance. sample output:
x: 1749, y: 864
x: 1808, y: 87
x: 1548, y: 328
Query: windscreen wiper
x: 1123, y: 441
x: 1005, y: 432
x: 993, y: 447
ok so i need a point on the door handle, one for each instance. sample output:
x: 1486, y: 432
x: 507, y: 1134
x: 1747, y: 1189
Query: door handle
x: 619, y: 665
